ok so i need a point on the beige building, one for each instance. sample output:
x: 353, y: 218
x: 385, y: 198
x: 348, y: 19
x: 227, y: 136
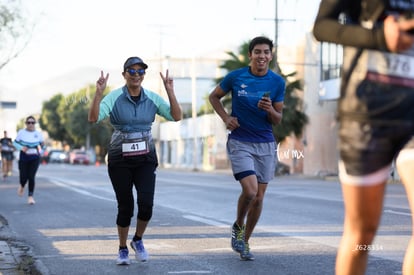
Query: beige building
x: 320, y: 98
x: 8, y: 105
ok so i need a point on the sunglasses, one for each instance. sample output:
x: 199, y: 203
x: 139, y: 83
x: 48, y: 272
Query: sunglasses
x: 30, y: 122
x: 134, y: 72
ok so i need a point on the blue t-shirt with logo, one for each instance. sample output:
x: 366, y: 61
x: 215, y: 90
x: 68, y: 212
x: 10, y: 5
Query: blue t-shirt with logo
x: 246, y: 91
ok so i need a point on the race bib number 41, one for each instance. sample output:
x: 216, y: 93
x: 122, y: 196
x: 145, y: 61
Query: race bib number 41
x: 31, y: 151
x: 135, y: 147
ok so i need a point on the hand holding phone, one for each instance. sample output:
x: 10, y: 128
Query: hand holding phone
x: 264, y: 101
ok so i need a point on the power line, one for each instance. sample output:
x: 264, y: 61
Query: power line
x: 276, y: 20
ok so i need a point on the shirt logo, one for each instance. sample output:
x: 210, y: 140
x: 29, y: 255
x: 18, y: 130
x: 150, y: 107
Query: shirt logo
x: 242, y: 92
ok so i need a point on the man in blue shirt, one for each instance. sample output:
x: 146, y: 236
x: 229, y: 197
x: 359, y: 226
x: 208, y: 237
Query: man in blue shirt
x: 257, y: 102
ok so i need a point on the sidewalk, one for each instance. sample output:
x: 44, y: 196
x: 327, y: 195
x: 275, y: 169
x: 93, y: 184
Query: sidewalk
x: 15, y: 257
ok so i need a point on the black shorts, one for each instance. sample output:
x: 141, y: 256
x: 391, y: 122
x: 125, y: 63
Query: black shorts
x: 6, y: 155
x: 376, y: 122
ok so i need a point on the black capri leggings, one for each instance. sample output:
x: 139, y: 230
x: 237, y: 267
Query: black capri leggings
x: 123, y: 178
x: 27, y: 172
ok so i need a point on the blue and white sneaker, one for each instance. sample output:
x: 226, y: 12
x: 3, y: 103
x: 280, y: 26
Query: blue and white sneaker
x: 246, y: 255
x: 123, y: 258
x: 140, y: 253
x: 237, y: 238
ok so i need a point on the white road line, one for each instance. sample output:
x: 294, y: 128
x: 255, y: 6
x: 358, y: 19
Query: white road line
x: 69, y: 185
x: 206, y: 221
x: 190, y: 272
x: 397, y: 213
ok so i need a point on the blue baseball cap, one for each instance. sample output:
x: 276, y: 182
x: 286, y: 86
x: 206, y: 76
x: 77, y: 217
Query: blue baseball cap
x: 133, y: 61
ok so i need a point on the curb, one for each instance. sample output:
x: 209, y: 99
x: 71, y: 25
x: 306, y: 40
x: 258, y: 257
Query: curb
x: 15, y: 257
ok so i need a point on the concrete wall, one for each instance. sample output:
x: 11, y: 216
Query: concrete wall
x: 320, y: 137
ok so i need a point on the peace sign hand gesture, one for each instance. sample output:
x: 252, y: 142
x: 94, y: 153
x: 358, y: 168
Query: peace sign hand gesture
x: 168, y: 82
x: 101, y: 83
x: 100, y: 88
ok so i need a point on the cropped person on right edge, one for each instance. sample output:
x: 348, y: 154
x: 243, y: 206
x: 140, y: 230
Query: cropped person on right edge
x: 376, y: 115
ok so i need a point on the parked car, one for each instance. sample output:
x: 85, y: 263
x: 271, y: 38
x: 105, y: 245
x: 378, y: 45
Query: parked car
x: 54, y: 156
x: 58, y: 156
x: 79, y: 157
x: 282, y: 169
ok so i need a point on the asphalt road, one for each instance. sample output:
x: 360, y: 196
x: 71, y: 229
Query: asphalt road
x: 71, y: 228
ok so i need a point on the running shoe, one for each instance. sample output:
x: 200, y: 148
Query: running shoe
x: 245, y: 255
x: 140, y: 253
x: 237, y: 238
x: 123, y: 258
x: 30, y: 200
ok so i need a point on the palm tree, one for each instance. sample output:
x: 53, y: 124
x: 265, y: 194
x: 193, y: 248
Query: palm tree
x: 294, y: 119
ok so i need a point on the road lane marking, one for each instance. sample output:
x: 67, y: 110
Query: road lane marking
x: 397, y: 212
x: 69, y: 185
x: 206, y: 221
x: 190, y: 272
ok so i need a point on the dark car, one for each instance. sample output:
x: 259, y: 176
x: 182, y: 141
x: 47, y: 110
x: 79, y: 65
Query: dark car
x: 282, y: 169
x: 79, y: 157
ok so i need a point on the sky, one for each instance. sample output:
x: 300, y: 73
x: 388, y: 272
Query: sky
x: 103, y: 33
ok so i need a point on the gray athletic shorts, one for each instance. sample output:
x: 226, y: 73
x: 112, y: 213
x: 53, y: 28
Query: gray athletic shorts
x: 248, y: 158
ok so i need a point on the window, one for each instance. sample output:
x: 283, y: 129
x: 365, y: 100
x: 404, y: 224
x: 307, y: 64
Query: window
x: 8, y: 104
x: 331, y: 61
x: 332, y: 56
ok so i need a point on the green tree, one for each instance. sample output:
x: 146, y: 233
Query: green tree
x: 100, y: 134
x: 73, y: 110
x: 50, y: 120
x: 294, y: 119
x: 21, y: 124
x: 66, y: 120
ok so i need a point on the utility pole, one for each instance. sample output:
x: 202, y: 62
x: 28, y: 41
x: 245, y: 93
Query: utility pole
x: 161, y: 33
x: 277, y: 68
x: 276, y: 20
